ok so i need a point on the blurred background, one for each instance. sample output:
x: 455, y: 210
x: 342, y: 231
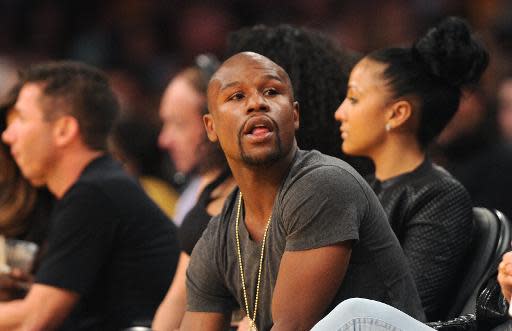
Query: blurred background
x: 142, y: 43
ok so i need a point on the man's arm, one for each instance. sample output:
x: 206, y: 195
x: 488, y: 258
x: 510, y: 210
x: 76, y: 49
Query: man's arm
x: 205, y: 321
x: 306, y: 284
x: 44, y: 308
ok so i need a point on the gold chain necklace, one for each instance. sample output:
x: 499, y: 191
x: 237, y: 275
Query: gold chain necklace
x: 252, y: 321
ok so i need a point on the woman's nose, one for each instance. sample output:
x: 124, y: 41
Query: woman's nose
x: 340, y: 114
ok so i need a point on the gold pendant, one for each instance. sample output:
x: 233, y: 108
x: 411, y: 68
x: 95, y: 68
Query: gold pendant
x: 252, y: 325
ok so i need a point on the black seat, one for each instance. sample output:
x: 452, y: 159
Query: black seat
x: 491, y: 238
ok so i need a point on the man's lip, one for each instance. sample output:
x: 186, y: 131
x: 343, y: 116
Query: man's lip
x: 258, y: 121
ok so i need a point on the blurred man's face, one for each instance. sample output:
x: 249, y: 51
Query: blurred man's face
x: 30, y: 135
x: 183, y: 132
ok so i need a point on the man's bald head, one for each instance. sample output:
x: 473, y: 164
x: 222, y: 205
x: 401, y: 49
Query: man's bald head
x: 226, y: 75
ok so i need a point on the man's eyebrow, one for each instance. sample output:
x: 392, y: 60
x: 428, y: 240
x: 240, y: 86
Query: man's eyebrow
x: 274, y: 77
x: 228, y: 85
x: 267, y: 77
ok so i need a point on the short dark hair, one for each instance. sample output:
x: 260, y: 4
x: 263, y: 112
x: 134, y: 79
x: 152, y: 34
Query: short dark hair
x: 86, y: 92
x: 435, y: 70
x: 318, y: 69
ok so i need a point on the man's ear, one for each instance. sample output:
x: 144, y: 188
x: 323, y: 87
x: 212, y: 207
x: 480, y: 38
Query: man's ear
x: 296, y: 116
x: 399, y: 113
x: 209, y: 125
x: 65, y: 129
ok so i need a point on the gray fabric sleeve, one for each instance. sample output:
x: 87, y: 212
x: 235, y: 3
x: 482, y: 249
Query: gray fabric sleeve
x: 325, y: 206
x: 206, y: 290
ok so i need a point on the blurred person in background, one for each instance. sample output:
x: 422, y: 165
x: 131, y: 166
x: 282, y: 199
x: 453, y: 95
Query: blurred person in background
x: 398, y: 101
x: 134, y: 141
x: 24, y: 209
x: 111, y: 251
x: 183, y: 136
x: 216, y: 183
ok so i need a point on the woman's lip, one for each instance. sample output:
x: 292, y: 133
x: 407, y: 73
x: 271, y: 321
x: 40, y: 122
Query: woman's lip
x: 343, y: 133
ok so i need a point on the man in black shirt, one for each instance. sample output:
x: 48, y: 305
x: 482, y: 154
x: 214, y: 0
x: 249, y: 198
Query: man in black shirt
x: 111, y: 252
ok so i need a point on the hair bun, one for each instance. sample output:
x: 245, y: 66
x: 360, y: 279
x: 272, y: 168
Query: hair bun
x: 451, y: 53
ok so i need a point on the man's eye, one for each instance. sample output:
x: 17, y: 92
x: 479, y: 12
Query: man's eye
x: 352, y: 100
x: 270, y: 91
x: 236, y: 96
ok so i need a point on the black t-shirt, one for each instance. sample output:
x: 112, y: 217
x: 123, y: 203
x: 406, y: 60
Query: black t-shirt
x: 196, y: 220
x: 113, y: 246
x: 322, y: 202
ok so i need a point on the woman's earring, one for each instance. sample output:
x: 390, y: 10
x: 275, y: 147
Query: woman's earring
x: 388, y: 127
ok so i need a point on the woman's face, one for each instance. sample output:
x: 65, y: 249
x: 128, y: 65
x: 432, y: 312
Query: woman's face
x: 363, y: 112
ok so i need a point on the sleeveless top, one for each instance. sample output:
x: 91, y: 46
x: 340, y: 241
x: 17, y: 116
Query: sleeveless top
x: 197, y: 219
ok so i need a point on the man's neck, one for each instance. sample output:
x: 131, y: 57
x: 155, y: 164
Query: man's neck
x: 68, y: 169
x: 259, y: 186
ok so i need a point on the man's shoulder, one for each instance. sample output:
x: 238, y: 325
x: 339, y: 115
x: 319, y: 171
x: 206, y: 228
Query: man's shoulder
x: 104, y: 187
x: 106, y: 178
x: 314, y: 168
x: 103, y: 172
x: 312, y: 160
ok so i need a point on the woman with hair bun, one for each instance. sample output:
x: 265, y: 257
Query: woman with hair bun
x: 398, y: 101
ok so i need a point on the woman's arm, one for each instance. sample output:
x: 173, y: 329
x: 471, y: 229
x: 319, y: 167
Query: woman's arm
x: 170, y: 312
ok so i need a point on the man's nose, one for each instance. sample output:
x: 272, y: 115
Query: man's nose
x: 7, y: 136
x: 164, y: 139
x: 257, y: 102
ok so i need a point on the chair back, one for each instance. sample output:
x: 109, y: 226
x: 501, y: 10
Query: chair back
x: 491, y: 238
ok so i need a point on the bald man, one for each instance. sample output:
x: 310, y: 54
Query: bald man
x: 301, y: 233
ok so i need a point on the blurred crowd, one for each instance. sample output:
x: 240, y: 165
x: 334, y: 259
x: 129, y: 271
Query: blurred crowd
x: 143, y: 44
x: 158, y: 57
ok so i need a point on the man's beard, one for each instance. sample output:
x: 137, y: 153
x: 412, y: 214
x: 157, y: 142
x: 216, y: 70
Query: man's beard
x: 267, y: 160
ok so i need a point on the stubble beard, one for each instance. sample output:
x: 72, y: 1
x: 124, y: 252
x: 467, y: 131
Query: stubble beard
x: 266, y: 160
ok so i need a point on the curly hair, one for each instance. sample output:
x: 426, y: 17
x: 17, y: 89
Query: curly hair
x: 318, y: 69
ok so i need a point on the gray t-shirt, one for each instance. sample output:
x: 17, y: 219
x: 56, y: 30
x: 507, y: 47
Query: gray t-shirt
x: 322, y: 202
